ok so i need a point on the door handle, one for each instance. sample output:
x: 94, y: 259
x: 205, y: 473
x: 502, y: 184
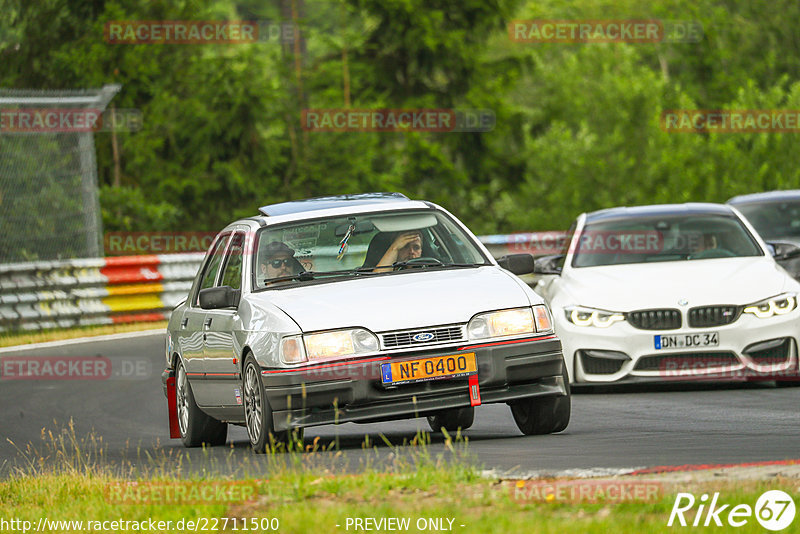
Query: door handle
x: 207, y: 323
x: 184, y: 322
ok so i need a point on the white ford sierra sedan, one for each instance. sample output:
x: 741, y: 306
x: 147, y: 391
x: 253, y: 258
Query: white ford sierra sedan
x: 357, y: 308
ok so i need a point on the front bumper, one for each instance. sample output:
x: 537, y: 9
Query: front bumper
x: 749, y: 348
x: 354, y: 392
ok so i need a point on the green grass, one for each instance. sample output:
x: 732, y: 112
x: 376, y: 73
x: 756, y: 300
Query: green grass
x: 303, y: 503
x: 9, y: 339
x: 66, y: 479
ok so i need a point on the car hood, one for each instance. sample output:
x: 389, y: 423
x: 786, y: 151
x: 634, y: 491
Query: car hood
x: 661, y: 285
x: 400, y: 301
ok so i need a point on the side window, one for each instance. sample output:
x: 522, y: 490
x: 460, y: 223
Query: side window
x: 212, y: 265
x: 232, y: 273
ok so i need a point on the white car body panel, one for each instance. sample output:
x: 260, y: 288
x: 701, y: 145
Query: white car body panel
x: 382, y: 303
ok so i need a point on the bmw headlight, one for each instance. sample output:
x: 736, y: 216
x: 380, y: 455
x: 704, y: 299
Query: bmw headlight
x: 583, y: 316
x: 780, y: 305
x: 512, y: 322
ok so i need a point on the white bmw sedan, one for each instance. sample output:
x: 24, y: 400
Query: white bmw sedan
x: 671, y: 292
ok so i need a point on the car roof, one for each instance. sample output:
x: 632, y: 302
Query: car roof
x: 767, y: 196
x: 656, y: 210
x: 332, y: 206
x: 329, y: 202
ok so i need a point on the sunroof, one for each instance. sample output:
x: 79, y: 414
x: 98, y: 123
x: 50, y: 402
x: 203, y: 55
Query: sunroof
x: 322, y: 203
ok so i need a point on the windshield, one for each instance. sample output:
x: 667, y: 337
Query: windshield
x: 361, y: 245
x: 773, y: 220
x: 663, y: 238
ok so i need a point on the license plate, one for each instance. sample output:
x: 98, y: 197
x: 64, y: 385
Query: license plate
x: 452, y: 366
x: 687, y: 341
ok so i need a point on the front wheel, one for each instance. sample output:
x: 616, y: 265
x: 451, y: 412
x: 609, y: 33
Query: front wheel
x: 195, y: 426
x: 453, y: 419
x: 258, y: 414
x: 543, y: 415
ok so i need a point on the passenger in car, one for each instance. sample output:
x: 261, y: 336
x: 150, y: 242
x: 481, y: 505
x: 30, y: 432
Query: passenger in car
x: 405, y: 246
x: 277, y: 261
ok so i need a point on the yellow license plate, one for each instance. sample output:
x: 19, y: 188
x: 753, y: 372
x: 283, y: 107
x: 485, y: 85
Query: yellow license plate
x: 452, y: 366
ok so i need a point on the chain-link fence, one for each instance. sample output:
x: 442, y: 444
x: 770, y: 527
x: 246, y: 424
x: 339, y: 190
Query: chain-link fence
x: 49, y: 205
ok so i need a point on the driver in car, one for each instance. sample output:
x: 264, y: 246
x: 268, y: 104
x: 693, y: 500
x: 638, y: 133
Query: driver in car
x: 278, y: 261
x: 406, y: 246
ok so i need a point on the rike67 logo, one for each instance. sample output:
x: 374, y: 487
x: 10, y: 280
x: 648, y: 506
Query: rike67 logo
x: 774, y: 510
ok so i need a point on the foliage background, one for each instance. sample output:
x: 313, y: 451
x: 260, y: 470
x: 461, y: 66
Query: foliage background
x: 577, y: 124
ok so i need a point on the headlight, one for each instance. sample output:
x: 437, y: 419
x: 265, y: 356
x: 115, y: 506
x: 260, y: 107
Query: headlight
x: 581, y: 316
x: 340, y: 343
x: 509, y: 323
x: 292, y: 350
x: 780, y: 305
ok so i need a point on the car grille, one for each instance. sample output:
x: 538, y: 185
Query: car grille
x: 689, y: 361
x: 713, y: 316
x: 773, y: 353
x: 654, y: 319
x: 405, y: 338
x: 594, y: 365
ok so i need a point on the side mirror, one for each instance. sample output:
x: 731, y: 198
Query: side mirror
x: 214, y: 298
x: 783, y: 251
x: 548, y: 264
x: 517, y: 263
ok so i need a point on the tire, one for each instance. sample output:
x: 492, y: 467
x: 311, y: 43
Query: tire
x: 258, y: 413
x: 195, y: 426
x: 543, y: 415
x: 453, y: 419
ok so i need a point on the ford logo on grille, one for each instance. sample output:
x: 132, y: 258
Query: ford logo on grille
x: 422, y: 337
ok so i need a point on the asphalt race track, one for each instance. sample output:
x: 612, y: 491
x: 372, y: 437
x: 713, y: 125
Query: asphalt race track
x: 616, y: 430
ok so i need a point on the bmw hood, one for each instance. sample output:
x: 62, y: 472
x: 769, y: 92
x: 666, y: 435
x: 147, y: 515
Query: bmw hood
x: 402, y: 300
x: 661, y: 285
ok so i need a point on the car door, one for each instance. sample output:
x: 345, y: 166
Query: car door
x: 190, y: 334
x: 220, y: 349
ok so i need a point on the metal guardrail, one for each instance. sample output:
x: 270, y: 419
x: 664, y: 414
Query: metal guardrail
x: 124, y: 289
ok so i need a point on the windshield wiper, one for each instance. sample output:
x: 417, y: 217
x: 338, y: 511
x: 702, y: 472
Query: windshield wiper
x: 311, y: 275
x: 426, y: 263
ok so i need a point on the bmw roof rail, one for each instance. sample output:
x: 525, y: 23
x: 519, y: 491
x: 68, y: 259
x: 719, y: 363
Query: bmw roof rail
x: 322, y: 203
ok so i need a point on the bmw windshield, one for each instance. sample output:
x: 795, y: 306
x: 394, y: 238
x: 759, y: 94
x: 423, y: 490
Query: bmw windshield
x: 774, y: 220
x: 361, y: 245
x: 662, y: 238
